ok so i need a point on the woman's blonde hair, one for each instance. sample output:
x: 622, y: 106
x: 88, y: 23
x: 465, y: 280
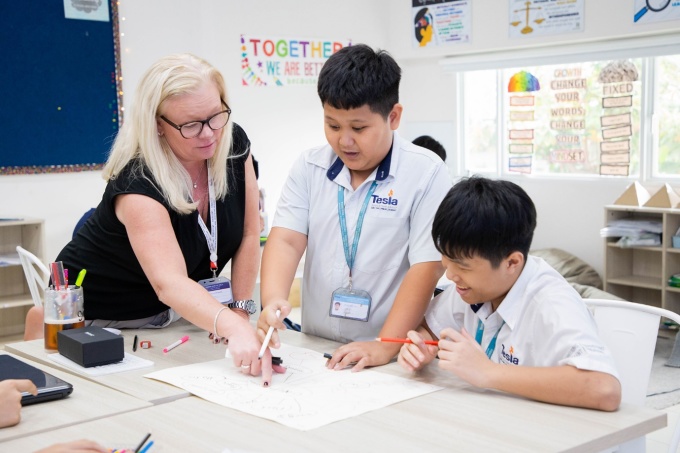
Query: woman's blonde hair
x: 138, y: 138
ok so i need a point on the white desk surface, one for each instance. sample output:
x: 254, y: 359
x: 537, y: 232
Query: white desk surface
x: 89, y: 401
x: 458, y: 418
x: 448, y: 421
x: 198, y: 349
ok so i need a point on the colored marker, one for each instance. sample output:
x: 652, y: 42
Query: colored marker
x: 184, y: 339
x: 80, y: 278
x: 330, y: 356
x: 404, y: 340
x: 146, y: 448
x: 141, y: 444
x: 267, y: 338
x: 134, y: 344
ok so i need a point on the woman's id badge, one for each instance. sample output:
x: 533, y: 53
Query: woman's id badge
x: 219, y: 288
x: 352, y: 304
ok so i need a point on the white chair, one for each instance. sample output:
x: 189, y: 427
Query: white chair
x: 36, y: 274
x: 675, y: 441
x: 629, y: 330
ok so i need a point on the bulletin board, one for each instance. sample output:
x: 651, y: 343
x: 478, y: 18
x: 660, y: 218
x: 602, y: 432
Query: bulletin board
x: 61, y: 99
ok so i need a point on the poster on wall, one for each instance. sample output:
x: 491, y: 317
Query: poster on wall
x: 268, y: 61
x: 87, y: 10
x: 619, y: 81
x: 522, y: 101
x: 568, y: 109
x: 440, y: 22
x: 545, y: 17
x: 646, y: 11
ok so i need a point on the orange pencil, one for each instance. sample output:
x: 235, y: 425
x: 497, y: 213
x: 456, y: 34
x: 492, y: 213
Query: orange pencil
x: 405, y: 340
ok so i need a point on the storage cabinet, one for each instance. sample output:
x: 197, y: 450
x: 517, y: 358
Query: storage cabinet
x: 15, y: 297
x: 640, y: 274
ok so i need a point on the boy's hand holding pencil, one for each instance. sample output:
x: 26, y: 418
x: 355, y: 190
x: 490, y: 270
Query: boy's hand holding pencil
x: 417, y: 351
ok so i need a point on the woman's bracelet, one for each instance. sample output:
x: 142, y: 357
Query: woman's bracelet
x: 217, y: 338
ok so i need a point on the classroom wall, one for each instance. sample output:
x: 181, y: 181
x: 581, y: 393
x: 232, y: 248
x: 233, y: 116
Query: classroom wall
x: 281, y: 122
x: 570, y: 212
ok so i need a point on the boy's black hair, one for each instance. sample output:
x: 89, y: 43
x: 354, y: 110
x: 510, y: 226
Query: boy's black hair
x: 433, y: 145
x: 484, y: 217
x: 356, y: 76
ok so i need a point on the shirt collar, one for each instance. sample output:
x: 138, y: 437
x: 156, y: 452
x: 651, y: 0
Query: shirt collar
x: 511, y: 307
x: 381, y: 173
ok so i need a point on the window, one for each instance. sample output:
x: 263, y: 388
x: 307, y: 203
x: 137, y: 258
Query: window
x: 666, y: 127
x: 580, y: 118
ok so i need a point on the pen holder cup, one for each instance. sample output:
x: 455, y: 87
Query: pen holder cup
x: 63, y: 310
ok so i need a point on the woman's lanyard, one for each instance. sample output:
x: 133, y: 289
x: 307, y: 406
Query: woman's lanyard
x: 211, y: 236
x: 351, y: 254
x: 480, y: 334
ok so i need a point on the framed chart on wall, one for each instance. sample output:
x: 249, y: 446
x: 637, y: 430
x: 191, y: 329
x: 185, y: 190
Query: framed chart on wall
x: 62, y: 97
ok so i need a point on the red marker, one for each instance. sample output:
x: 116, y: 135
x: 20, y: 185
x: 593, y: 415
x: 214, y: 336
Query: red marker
x: 184, y: 339
x: 405, y: 340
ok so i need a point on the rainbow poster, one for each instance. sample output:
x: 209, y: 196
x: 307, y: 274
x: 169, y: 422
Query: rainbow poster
x: 267, y: 61
x: 521, y: 121
x: 522, y: 82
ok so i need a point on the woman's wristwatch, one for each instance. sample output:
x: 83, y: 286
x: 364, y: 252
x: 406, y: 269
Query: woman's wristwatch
x: 246, y: 305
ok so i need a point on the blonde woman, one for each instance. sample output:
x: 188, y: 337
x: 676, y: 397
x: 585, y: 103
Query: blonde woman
x: 180, y: 202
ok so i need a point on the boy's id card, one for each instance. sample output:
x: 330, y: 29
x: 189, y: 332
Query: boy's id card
x: 219, y: 288
x: 352, y: 304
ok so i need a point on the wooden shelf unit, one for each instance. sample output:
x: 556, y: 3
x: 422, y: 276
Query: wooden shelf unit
x: 15, y: 297
x: 640, y: 274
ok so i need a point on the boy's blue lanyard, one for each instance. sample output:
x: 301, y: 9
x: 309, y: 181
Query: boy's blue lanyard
x: 351, y: 254
x: 480, y: 334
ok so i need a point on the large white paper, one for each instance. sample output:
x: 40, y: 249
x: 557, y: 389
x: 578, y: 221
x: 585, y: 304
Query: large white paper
x: 307, y: 396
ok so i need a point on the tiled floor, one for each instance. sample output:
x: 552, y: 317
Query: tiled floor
x: 657, y: 442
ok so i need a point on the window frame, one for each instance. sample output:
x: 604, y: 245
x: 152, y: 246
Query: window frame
x: 646, y: 48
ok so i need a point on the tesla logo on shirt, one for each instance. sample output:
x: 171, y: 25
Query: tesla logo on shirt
x: 377, y: 199
x: 509, y: 357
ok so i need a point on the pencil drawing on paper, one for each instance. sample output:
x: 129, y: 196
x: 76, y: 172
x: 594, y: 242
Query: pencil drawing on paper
x: 307, y: 396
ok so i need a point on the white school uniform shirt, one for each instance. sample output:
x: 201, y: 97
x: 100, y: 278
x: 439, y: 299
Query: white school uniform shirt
x: 546, y: 322
x: 396, y: 232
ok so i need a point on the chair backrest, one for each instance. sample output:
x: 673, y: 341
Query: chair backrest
x: 36, y: 274
x: 629, y: 330
x: 82, y: 221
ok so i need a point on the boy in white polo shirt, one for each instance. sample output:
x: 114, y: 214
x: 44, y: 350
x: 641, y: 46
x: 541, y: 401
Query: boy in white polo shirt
x: 509, y: 322
x: 367, y: 183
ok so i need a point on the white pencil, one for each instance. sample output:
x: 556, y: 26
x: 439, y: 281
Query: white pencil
x: 267, y: 338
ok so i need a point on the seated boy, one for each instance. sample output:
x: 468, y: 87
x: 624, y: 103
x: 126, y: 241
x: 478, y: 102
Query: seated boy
x: 362, y: 207
x: 510, y: 322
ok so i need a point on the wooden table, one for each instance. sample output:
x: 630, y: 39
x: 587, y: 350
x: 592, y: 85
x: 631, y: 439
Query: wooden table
x: 447, y: 421
x: 458, y: 418
x: 89, y: 401
x: 198, y: 349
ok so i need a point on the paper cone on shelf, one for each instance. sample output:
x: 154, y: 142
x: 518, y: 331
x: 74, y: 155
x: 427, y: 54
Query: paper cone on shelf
x: 664, y: 198
x: 634, y: 195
